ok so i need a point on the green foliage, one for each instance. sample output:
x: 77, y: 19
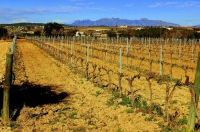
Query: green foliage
x: 145, y: 105
x: 182, y: 121
x: 149, y: 118
x: 163, y: 127
x: 72, y: 115
x: 129, y: 110
x: 71, y: 32
x: 158, y: 110
x: 111, y: 33
x: 53, y: 29
x: 125, y: 100
x: 37, y: 32
x: 14, y: 125
x: 174, y: 101
x: 80, y: 129
x: 126, y: 33
x: 137, y: 102
x: 101, y: 86
x: 97, y: 93
x: 153, y: 32
x: 116, y: 95
x: 110, y: 101
x: 3, y: 32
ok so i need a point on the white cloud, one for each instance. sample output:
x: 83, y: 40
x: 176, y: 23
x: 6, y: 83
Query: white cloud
x: 101, y: 9
x: 171, y: 3
x: 189, y: 4
x: 176, y: 4
x: 62, y: 21
x: 19, y: 20
x: 156, y: 5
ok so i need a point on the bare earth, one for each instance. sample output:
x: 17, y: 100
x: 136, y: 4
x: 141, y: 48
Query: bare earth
x: 49, y: 97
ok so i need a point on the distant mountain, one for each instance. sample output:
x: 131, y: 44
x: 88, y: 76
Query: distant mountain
x: 122, y: 22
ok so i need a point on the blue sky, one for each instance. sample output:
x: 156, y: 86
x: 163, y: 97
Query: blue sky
x: 183, y: 12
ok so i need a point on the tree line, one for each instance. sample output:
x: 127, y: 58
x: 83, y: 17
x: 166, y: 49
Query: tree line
x: 55, y: 29
x: 156, y: 32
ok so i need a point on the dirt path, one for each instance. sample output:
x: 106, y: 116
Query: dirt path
x: 55, y: 99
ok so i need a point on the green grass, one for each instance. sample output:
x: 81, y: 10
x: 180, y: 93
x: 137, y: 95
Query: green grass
x: 101, y: 86
x: 158, y: 110
x: 125, y: 100
x: 14, y: 125
x: 72, y: 115
x: 149, y: 118
x: 137, y: 102
x: 129, y: 110
x: 174, y: 101
x: 164, y: 128
x: 97, y: 93
x: 182, y: 121
x: 80, y: 129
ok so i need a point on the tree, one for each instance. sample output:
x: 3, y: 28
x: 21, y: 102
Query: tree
x: 37, y: 32
x: 3, y: 32
x: 53, y: 29
x: 111, y: 33
x: 71, y: 32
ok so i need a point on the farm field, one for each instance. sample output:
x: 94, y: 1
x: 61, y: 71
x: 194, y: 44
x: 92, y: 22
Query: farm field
x: 48, y: 95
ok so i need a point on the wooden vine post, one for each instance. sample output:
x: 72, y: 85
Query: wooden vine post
x: 120, y: 71
x: 7, y: 85
x: 161, y: 63
x: 127, y: 52
x: 71, y: 55
x: 192, y: 113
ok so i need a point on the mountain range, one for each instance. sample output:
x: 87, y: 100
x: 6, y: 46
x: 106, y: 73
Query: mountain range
x: 122, y: 22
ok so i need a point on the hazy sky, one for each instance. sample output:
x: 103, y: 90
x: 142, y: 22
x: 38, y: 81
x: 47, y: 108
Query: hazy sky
x: 183, y: 12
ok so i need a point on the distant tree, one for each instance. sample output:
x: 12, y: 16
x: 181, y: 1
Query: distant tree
x: 126, y: 33
x: 53, y: 29
x: 111, y: 33
x: 3, y: 32
x: 153, y: 32
x: 71, y: 32
x: 37, y: 32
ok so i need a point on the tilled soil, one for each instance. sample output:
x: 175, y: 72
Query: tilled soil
x: 48, y: 96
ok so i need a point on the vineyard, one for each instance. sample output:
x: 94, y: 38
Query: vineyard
x: 143, y: 80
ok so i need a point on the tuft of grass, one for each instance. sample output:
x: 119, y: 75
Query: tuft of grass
x: 110, y: 101
x: 116, y: 95
x: 164, y: 128
x: 80, y: 129
x: 137, y: 102
x: 119, y: 130
x: 97, y: 93
x: 14, y: 125
x: 182, y: 121
x: 158, y: 110
x: 174, y: 101
x: 149, y: 118
x: 125, y: 100
x: 145, y: 105
x: 72, y: 115
x: 101, y: 86
x: 129, y: 110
